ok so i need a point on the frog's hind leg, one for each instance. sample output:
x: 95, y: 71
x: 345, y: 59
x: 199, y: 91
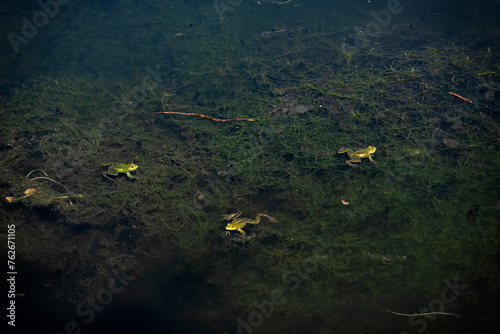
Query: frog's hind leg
x: 349, y: 162
x: 257, y: 219
x: 231, y: 216
x: 105, y: 174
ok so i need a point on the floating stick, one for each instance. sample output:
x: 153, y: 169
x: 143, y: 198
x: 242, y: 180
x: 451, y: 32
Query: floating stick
x: 205, y: 116
x: 423, y: 314
x: 460, y: 97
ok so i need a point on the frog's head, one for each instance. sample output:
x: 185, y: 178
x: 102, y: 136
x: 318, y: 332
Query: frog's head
x: 133, y: 167
x: 371, y: 149
x: 231, y: 227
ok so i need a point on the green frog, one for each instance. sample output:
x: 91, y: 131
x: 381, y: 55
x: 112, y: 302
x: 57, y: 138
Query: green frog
x: 236, y: 224
x: 356, y: 156
x: 117, y: 168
